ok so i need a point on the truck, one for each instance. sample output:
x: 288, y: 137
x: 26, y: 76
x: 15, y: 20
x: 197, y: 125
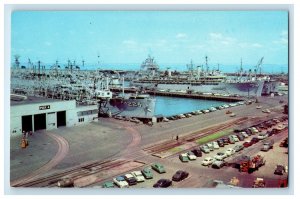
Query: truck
x: 267, y: 145
x: 250, y: 164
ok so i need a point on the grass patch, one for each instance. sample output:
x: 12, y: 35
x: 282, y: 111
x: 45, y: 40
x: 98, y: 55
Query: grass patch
x: 213, y: 136
x: 175, y: 149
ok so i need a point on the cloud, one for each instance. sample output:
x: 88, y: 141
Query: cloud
x: 283, y: 38
x: 129, y: 42
x: 181, y: 36
x: 219, y: 38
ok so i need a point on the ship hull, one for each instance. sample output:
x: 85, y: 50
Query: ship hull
x: 241, y: 88
x: 138, y: 108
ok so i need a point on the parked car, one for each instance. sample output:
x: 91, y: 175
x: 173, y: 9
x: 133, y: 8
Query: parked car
x: 180, y: 175
x: 235, y: 138
x: 253, y: 130
x: 158, y: 167
x: 231, y: 140
x: 247, y: 143
x: 183, y: 157
x: 267, y: 145
x: 120, y: 182
x: 207, y: 161
x: 248, y: 131
x: 240, y: 137
x: 279, y: 170
x: 147, y: 173
x: 266, y: 111
x: 262, y: 136
x: 244, y: 134
x: 210, y: 146
x: 108, y: 184
x: 254, y: 140
x: 232, y: 115
x: 220, y: 156
x: 238, y: 148
x: 215, y: 145
x: 218, y: 164
x: 229, y: 152
x: 197, y: 152
x: 130, y: 179
x: 191, y: 155
x: 138, y: 176
x: 220, y: 143
x: 225, y: 140
x: 204, y: 149
x: 162, y: 183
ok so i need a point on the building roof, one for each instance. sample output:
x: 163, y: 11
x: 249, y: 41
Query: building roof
x: 17, y: 100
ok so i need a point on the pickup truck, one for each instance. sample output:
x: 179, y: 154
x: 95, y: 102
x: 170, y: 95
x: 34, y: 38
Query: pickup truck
x: 267, y: 145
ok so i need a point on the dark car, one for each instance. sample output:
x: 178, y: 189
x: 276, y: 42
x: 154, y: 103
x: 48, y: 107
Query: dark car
x: 238, y: 147
x: 197, y: 152
x: 254, y: 140
x: 279, y: 170
x: 241, y: 137
x: 275, y: 131
x: 248, y: 131
x: 162, y: 183
x: 270, y: 133
x: 218, y: 164
x: 220, y: 143
x: 225, y: 140
x: 130, y: 179
x: 180, y: 175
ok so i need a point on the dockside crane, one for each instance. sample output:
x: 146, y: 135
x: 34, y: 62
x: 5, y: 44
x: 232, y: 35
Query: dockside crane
x: 258, y: 65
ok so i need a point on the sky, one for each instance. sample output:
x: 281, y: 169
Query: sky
x: 172, y: 37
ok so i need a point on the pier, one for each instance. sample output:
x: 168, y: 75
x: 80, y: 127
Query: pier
x: 183, y: 95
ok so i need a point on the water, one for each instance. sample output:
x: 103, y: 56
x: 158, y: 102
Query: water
x: 169, y: 106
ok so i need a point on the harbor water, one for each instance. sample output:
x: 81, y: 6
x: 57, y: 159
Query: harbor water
x: 170, y: 106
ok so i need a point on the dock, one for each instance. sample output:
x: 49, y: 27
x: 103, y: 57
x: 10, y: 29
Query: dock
x: 183, y: 95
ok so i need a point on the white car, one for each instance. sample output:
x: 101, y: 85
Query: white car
x: 207, y: 161
x: 262, y: 136
x: 225, y: 106
x: 244, y: 134
x: 191, y: 155
x: 212, y: 109
x: 215, y: 145
x: 229, y: 152
x: 253, y: 130
x: 235, y: 138
x: 138, y: 176
x: 206, y: 111
x: 120, y: 182
x: 210, y: 146
x: 266, y: 111
x: 220, y: 156
x: 258, y: 107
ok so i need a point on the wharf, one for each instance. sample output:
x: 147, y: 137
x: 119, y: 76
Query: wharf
x: 183, y: 95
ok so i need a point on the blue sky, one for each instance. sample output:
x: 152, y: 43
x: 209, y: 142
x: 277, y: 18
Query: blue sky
x: 172, y: 37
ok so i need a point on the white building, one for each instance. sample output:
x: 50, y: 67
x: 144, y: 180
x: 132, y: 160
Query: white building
x: 35, y: 113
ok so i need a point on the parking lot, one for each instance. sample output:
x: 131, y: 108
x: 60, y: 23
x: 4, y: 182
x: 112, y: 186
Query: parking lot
x: 201, y: 176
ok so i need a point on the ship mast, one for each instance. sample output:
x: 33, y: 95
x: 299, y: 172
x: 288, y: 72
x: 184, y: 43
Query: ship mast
x: 207, y: 68
x: 17, y: 63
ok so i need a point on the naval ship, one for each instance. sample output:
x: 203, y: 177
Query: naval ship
x: 202, y: 81
x: 84, y: 86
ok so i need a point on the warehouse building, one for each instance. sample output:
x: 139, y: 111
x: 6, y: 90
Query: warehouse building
x: 35, y: 113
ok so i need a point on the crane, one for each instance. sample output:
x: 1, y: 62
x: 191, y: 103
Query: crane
x: 258, y: 65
